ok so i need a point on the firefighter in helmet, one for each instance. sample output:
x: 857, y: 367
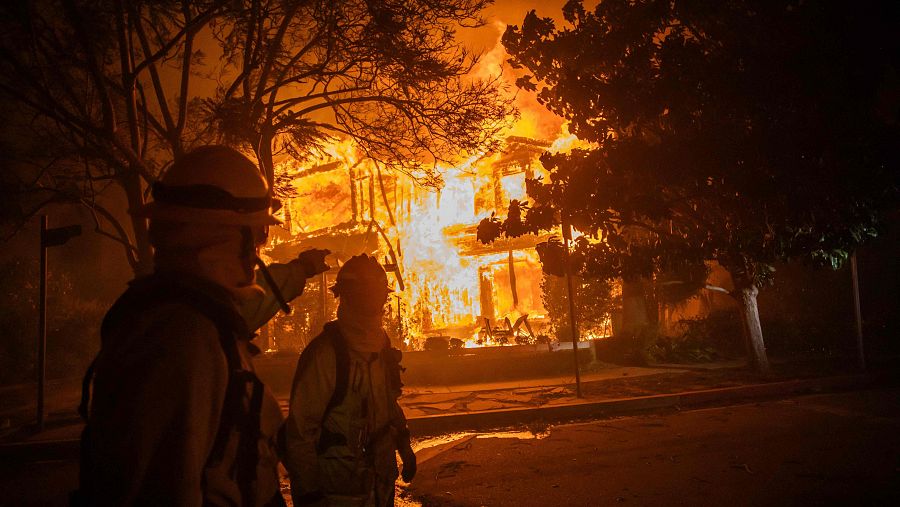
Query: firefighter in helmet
x: 345, y: 425
x: 177, y: 415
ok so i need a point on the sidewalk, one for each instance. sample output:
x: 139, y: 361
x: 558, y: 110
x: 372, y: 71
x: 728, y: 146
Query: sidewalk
x: 63, y: 396
x: 607, y: 390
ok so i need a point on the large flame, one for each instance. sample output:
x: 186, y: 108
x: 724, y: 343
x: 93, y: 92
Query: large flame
x: 453, y: 286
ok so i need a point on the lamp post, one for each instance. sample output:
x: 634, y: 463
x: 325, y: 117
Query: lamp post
x: 573, y: 322
x: 49, y: 237
x: 854, y: 272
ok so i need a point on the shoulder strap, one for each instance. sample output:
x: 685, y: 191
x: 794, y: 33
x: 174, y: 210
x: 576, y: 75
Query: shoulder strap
x: 342, y: 372
x: 330, y: 336
x: 392, y: 358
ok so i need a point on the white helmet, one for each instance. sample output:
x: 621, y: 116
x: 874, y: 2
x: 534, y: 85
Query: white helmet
x: 213, y: 185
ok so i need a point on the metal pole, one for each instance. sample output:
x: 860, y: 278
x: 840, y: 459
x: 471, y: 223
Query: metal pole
x: 42, y: 328
x: 854, y: 272
x: 323, y: 297
x: 567, y: 235
x: 399, y: 322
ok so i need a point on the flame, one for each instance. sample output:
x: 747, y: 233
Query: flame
x: 443, y: 286
x: 445, y: 289
x: 565, y: 141
x: 448, y: 290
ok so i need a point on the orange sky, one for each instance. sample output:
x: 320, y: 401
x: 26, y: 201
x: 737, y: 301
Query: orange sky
x: 507, y: 12
x: 535, y: 120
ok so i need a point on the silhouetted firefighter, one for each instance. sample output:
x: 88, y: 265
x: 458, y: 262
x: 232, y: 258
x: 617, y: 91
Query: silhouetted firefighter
x: 178, y: 416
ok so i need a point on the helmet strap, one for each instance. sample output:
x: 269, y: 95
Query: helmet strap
x: 248, y: 250
x: 274, y: 286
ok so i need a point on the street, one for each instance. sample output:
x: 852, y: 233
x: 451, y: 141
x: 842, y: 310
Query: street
x: 834, y: 449
x: 823, y: 449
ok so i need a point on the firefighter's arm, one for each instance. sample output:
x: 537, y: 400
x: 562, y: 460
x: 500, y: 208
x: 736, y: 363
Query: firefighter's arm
x: 401, y: 431
x: 398, y: 418
x: 155, y: 441
x: 404, y: 447
x: 291, y: 280
x: 313, y: 386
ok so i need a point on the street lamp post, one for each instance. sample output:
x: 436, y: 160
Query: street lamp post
x: 49, y: 237
x: 854, y: 272
x: 573, y: 322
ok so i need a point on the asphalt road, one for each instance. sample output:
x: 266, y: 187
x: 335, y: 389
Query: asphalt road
x: 831, y: 449
x: 834, y: 449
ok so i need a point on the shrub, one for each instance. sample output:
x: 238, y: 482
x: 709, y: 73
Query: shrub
x: 73, y: 324
x: 703, y: 339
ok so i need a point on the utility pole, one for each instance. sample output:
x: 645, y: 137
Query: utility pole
x: 42, y: 329
x: 323, y: 297
x: 399, y: 321
x: 567, y: 237
x: 854, y: 273
x: 49, y: 237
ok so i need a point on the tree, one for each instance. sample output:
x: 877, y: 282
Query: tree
x: 102, y: 92
x: 741, y: 132
x: 390, y: 75
x: 594, y: 311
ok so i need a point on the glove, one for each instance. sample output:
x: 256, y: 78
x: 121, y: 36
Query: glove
x: 312, y: 262
x: 409, y: 463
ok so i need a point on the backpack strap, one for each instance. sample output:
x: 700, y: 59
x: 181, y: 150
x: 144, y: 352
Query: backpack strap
x: 332, y: 336
x: 329, y: 336
x: 342, y: 371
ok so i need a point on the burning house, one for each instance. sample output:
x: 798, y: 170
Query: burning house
x: 450, y: 290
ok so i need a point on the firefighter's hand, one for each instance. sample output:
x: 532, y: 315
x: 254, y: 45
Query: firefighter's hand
x: 409, y: 464
x: 313, y: 261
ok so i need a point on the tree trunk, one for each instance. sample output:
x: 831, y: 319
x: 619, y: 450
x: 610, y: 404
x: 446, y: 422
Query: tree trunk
x: 135, y: 196
x: 638, y: 325
x: 635, y: 314
x: 748, y: 342
x: 750, y: 314
x: 512, y: 280
x: 266, y: 159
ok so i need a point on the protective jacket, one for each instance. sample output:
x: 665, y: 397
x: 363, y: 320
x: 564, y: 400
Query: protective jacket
x: 342, y: 435
x: 169, y: 423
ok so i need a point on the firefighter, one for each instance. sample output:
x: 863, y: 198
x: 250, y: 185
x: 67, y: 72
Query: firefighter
x: 177, y: 415
x: 345, y: 426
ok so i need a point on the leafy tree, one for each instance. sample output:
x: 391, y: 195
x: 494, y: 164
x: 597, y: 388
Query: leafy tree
x: 386, y: 73
x: 99, y: 93
x: 594, y: 310
x: 72, y: 326
x: 741, y: 132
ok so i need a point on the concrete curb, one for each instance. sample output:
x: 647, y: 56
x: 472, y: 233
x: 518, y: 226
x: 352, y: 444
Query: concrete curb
x: 429, y: 425
x: 421, y: 426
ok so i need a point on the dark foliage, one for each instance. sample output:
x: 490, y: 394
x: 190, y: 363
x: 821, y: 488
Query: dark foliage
x: 391, y: 75
x: 92, y: 103
x: 73, y: 325
x: 735, y: 131
x: 715, y: 336
x: 742, y: 132
x: 595, y: 304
